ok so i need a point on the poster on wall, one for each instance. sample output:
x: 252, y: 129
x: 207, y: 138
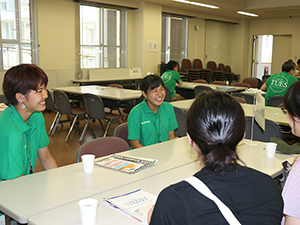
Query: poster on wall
x: 152, y: 46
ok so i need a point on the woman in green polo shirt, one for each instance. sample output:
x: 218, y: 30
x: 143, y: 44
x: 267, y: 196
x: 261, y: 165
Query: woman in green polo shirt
x: 23, y: 135
x: 153, y: 120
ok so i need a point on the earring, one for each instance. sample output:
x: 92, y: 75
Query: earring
x: 23, y: 106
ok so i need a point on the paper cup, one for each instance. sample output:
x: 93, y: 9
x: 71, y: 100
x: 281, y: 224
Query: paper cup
x: 88, y: 163
x: 270, y: 149
x: 88, y: 211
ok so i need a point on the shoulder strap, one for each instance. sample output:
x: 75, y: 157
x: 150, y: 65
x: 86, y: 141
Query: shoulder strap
x: 202, y: 188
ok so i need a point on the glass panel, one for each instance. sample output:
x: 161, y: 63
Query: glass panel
x: 111, y: 57
x: 90, y: 25
x: 8, y: 20
x: 10, y: 55
x: 26, y: 56
x: 164, y: 46
x: 90, y: 57
x: 25, y: 22
x: 176, y: 39
x: 111, y: 29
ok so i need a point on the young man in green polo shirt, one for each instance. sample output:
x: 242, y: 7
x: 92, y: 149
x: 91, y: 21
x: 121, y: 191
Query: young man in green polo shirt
x: 277, y: 84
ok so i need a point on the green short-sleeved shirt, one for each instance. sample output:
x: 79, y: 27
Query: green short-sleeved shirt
x: 170, y: 78
x: 146, y: 126
x: 278, y: 84
x: 14, y: 135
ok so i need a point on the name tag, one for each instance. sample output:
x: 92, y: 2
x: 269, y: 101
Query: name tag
x: 146, y: 122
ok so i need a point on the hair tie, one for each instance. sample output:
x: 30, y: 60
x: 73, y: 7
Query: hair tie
x: 219, y: 142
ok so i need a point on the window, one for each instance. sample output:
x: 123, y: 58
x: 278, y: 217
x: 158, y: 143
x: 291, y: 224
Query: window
x: 174, y: 38
x: 102, y: 37
x: 18, y: 33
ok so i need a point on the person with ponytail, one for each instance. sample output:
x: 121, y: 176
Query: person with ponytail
x: 215, y: 125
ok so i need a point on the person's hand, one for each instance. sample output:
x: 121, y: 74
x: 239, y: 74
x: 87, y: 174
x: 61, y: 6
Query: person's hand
x: 297, y: 156
x: 150, y: 214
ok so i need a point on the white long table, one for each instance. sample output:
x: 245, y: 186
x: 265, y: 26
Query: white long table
x: 271, y: 113
x: 103, y: 92
x: 192, y: 85
x: 253, y: 156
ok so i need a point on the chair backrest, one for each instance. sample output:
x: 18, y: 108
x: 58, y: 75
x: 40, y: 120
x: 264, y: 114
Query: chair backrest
x: 199, y: 89
x: 271, y: 130
x: 212, y: 65
x: 252, y: 81
x: 222, y: 67
x: 248, y: 97
x: 197, y: 64
x: 121, y: 131
x: 49, y: 102
x: 242, y: 85
x: 200, y: 81
x: 259, y: 83
x: 219, y: 83
x: 227, y: 69
x: 168, y: 95
x: 186, y: 64
x: 239, y: 99
x: 275, y: 101
x: 180, y: 117
x: 115, y: 86
x: 94, y: 106
x: 102, y: 146
x: 62, y: 102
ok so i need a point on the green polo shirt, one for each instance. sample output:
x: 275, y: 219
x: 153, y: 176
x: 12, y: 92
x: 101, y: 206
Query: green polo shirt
x: 147, y: 127
x: 170, y: 78
x: 15, y: 134
x: 278, y: 84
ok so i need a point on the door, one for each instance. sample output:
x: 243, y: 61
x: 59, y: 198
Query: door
x: 282, y: 47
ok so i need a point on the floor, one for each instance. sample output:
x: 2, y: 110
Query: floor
x: 65, y: 153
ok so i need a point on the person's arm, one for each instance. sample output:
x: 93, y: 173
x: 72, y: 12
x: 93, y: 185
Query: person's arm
x: 180, y: 83
x: 264, y: 87
x: 171, y: 135
x: 136, y: 144
x: 46, y: 159
x: 289, y: 220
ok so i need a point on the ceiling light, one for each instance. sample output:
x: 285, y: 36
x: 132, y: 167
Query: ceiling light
x: 247, y: 14
x: 197, y: 4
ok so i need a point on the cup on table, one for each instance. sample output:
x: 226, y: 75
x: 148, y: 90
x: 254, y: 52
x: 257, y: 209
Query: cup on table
x: 88, y: 211
x: 270, y: 149
x: 88, y: 163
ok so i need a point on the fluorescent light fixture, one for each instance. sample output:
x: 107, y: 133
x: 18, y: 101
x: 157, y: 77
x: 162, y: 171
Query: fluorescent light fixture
x: 197, y: 4
x: 247, y: 14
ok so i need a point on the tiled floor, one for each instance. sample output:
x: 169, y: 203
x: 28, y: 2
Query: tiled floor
x: 65, y: 153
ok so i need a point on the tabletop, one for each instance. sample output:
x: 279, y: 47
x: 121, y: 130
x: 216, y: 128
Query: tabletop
x: 192, y: 85
x: 253, y: 156
x: 102, y: 91
x: 106, y: 79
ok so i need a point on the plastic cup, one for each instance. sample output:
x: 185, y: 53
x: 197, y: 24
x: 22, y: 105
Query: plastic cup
x: 88, y: 163
x: 270, y: 149
x: 88, y: 211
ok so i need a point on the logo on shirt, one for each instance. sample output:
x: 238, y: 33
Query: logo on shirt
x: 279, y: 84
x: 146, y: 122
x: 167, y: 76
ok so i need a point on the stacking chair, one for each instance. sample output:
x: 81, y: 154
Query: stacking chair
x: 194, y: 74
x: 199, y: 89
x: 168, y: 95
x: 121, y: 131
x: 102, y: 146
x: 64, y: 107
x: 180, y: 117
x: 219, y: 83
x: 183, y: 74
x: 271, y: 130
x: 242, y: 85
x: 275, y: 101
x: 228, y: 75
x: 95, y: 110
x: 114, y: 105
x: 239, y: 99
x: 253, y: 82
x: 248, y: 97
x: 217, y: 74
x: 205, y: 74
x: 236, y: 77
x: 200, y: 81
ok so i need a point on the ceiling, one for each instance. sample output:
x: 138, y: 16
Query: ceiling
x: 265, y: 9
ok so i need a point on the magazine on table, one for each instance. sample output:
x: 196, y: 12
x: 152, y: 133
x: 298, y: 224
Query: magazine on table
x: 127, y: 164
x: 136, y: 204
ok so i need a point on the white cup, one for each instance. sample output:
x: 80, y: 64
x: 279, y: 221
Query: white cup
x: 88, y: 163
x: 88, y: 211
x: 270, y: 149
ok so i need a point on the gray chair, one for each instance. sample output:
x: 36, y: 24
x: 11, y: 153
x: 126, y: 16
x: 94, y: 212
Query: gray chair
x: 271, y: 130
x: 121, y: 131
x: 168, y: 95
x: 275, y: 101
x: 180, y: 117
x: 64, y: 107
x: 102, y: 147
x: 199, y: 89
x: 248, y: 97
x: 95, y: 110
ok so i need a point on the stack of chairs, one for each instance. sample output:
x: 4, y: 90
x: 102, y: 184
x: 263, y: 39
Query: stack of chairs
x: 194, y: 74
x: 228, y: 75
x: 236, y: 77
x: 205, y: 74
x: 183, y: 75
x: 217, y: 74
